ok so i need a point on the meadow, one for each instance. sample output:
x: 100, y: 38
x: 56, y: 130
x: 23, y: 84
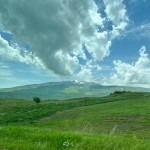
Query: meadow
x: 118, y: 121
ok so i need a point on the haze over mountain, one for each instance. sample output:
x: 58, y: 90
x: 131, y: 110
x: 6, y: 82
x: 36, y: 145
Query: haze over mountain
x: 64, y: 90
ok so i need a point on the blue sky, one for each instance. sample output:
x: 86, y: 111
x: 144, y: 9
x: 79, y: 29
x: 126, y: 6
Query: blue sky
x: 102, y: 41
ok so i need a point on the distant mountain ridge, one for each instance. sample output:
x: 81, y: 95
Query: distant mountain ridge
x: 64, y: 90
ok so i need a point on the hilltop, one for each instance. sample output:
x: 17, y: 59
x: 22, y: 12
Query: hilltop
x: 64, y: 90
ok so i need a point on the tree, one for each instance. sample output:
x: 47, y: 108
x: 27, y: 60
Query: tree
x: 36, y: 99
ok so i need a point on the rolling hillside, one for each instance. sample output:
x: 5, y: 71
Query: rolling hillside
x: 118, y: 121
x: 64, y: 90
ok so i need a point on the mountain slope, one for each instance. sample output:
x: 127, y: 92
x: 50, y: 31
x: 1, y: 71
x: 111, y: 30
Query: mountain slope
x: 63, y: 90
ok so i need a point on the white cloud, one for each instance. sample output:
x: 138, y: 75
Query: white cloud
x: 14, y: 54
x: 135, y: 74
x: 9, y: 52
x: 117, y: 14
x: 65, y: 61
x: 100, y: 48
x: 57, y: 30
x: 116, y: 11
x: 85, y: 74
x: 87, y: 71
x: 55, y: 27
x: 91, y: 65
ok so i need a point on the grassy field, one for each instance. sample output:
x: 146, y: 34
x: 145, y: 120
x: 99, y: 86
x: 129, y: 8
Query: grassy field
x: 119, y: 121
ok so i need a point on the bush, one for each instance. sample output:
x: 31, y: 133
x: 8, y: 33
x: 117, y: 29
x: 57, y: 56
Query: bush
x: 36, y: 99
x: 118, y: 92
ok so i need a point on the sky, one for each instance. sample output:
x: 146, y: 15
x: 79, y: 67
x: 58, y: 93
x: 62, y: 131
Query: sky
x: 102, y: 41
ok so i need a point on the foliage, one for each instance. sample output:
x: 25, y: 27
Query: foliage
x: 36, y: 99
x: 119, y: 92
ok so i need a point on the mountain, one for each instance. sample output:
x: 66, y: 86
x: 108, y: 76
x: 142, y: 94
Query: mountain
x: 64, y: 90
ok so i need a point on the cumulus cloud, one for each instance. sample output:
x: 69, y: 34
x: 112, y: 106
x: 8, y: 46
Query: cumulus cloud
x: 9, y: 52
x: 85, y: 74
x: 14, y: 54
x: 57, y: 30
x: 134, y: 74
x: 99, y: 45
x: 117, y: 14
x: 53, y: 28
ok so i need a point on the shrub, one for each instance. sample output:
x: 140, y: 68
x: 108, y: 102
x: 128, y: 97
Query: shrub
x: 117, y: 92
x: 36, y: 99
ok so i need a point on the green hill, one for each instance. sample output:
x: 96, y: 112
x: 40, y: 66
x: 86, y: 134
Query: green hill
x: 118, y: 121
x: 64, y: 90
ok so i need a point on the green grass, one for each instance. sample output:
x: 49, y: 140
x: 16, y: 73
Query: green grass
x: 119, y: 121
x: 72, y: 89
x: 128, y: 117
x: 29, y: 138
x: 16, y: 111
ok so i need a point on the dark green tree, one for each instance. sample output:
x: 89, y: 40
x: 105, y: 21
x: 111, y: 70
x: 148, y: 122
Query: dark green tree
x: 36, y: 99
